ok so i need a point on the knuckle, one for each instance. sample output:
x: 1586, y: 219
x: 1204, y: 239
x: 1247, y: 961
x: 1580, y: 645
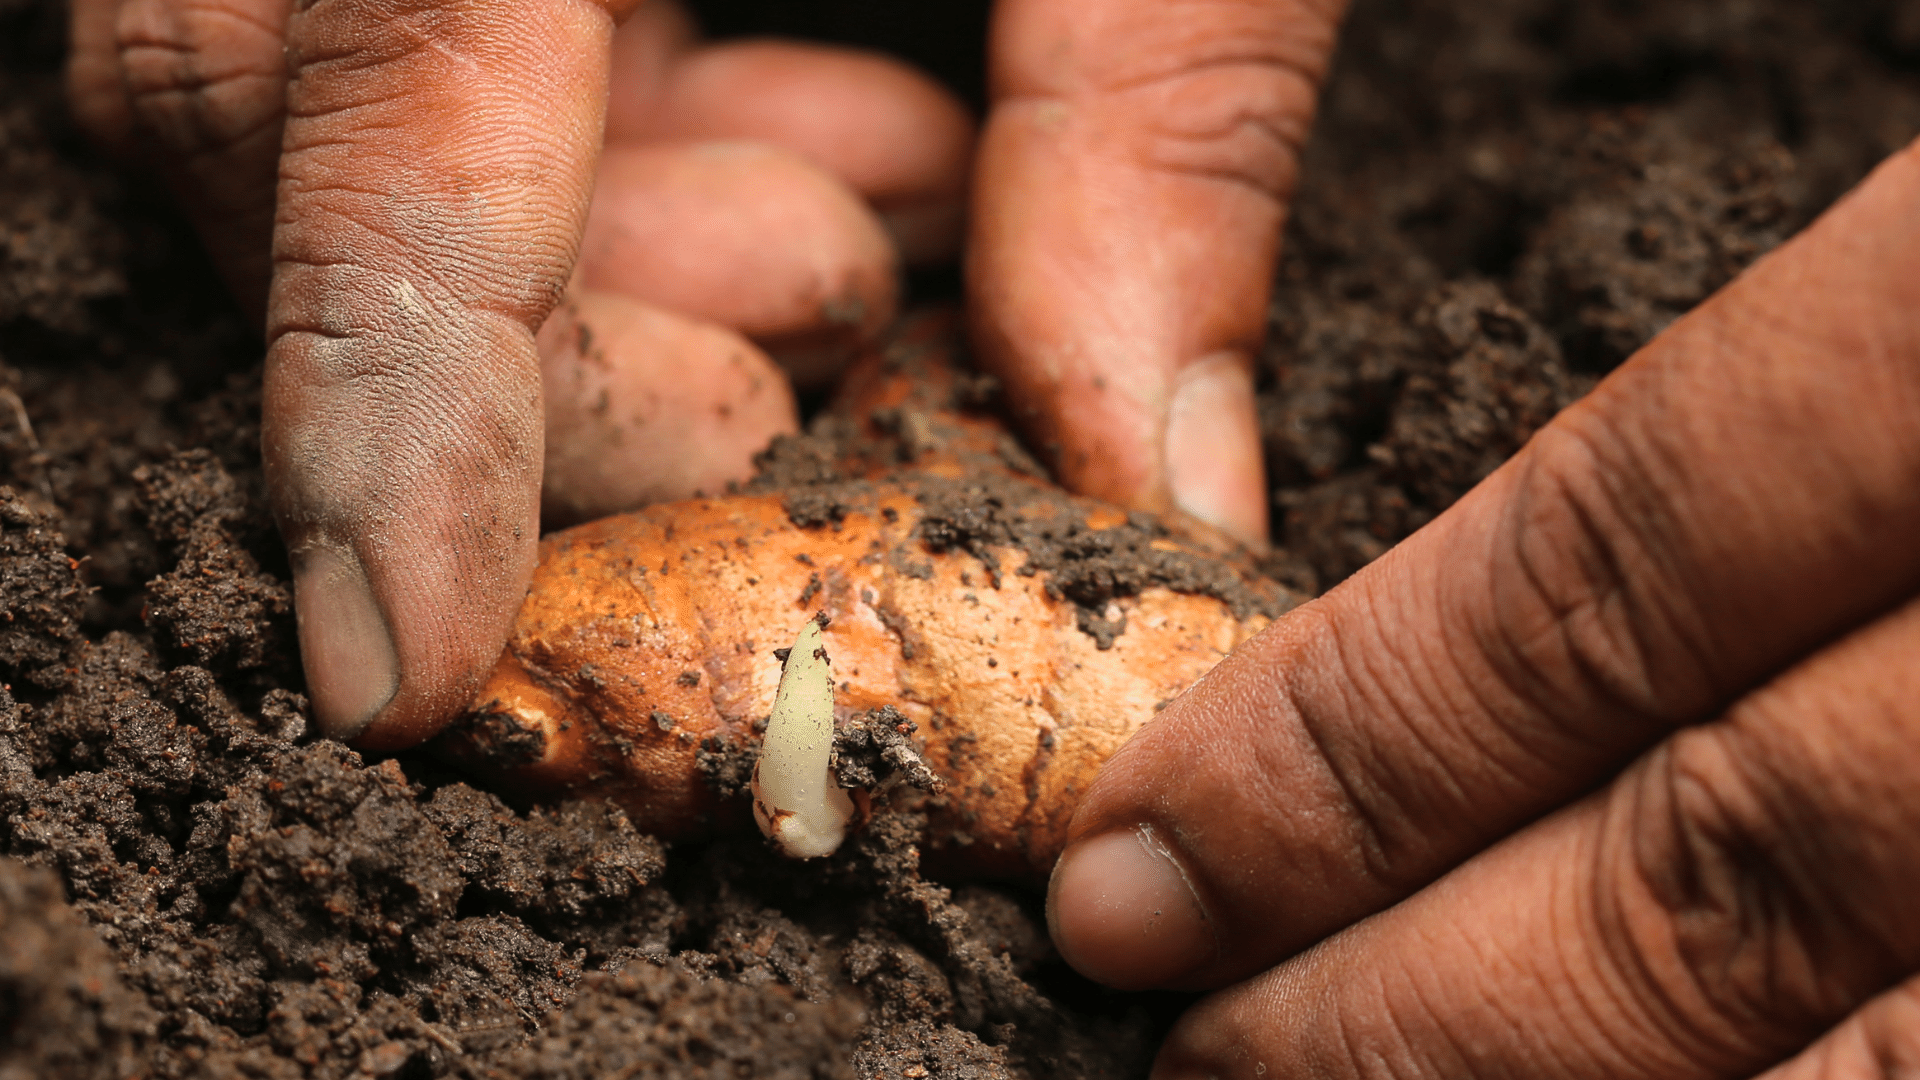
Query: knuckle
x: 1723, y: 916
x: 202, y: 75
x: 1589, y: 616
x: 360, y: 262
x: 1222, y: 91
x: 385, y: 163
x: 1240, y: 119
x: 1391, y: 842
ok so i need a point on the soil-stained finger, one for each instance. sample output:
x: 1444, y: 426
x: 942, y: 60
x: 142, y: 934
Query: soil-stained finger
x: 894, y: 135
x: 646, y: 406
x: 434, y: 180
x: 747, y: 236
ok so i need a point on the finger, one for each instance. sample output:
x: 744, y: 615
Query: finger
x: 1732, y: 896
x: 94, y: 86
x: 1737, y: 494
x: 1134, y: 173
x: 437, y: 165
x: 894, y: 135
x: 1881, y: 1040
x: 644, y: 406
x: 203, y: 84
x: 645, y: 49
x: 746, y: 236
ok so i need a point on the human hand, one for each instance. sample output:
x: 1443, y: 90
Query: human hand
x: 434, y: 171
x: 1608, y: 771
x: 435, y: 160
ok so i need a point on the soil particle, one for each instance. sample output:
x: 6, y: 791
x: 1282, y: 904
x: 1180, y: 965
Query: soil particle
x: 508, y: 743
x: 576, y: 871
x: 335, y: 868
x: 812, y: 508
x: 1498, y: 381
x: 874, y: 751
x: 918, y: 1048
x: 216, y: 605
x: 1597, y: 169
x: 727, y: 767
x: 59, y: 248
x: 988, y: 511
x: 41, y: 595
x: 806, y: 469
x: 1659, y: 222
x: 1009, y: 1020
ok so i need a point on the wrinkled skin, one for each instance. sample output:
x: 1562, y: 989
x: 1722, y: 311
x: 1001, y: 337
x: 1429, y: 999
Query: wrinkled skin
x: 1605, y: 773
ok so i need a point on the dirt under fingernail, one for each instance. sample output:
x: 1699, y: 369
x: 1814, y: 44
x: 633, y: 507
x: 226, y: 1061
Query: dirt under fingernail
x: 1499, y: 205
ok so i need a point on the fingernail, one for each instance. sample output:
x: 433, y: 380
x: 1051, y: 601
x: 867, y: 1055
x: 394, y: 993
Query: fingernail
x: 352, y: 667
x: 1214, y: 464
x: 1124, y: 912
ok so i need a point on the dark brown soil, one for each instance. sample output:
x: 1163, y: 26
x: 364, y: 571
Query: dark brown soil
x: 1504, y: 199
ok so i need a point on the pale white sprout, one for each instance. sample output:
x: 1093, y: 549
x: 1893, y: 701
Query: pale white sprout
x: 795, y: 800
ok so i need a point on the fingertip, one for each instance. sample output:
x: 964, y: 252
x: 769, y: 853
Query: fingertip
x: 897, y: 137
x: 1125, y: 337
x: 1146, y: 432
x: 409, y: 510
x: 747, y: 236
x: 644, y: 405
x: 346, y: 645
x: 1214, y: 465
x: 1124, y: 911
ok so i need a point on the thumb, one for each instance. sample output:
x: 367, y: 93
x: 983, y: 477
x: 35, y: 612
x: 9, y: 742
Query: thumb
x: 438, y: 158
x: 1134, y: 175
